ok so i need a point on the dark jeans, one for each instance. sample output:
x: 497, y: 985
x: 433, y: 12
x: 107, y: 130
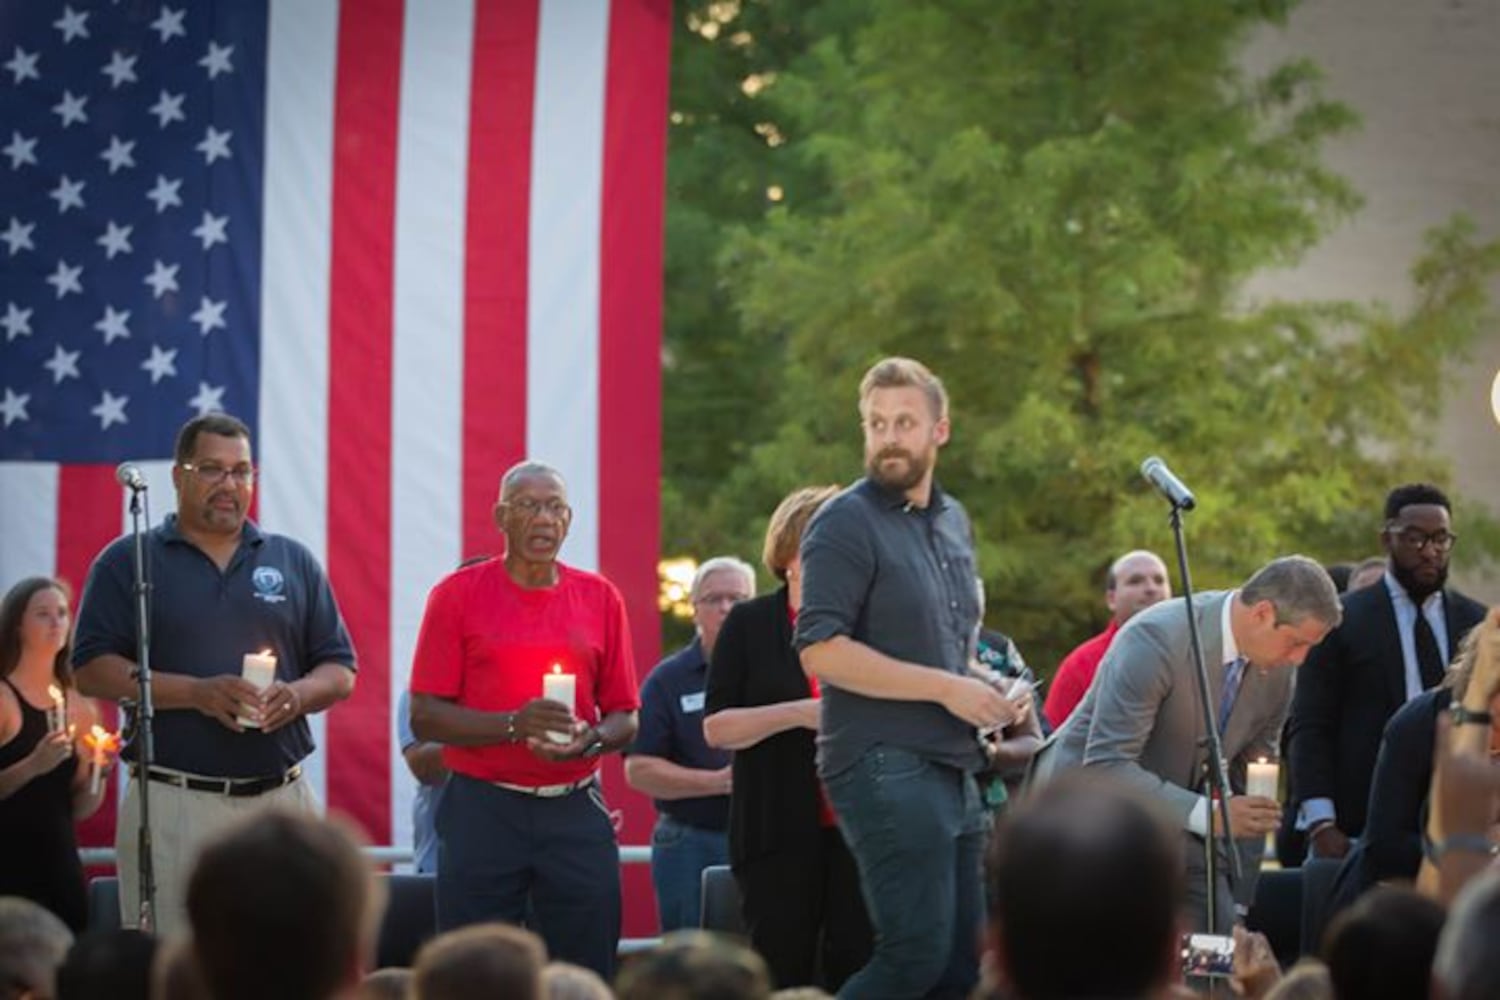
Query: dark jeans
x: 805, y: 912
x: 679, y: 853
x: 917, y: 831
x: 496, y: 848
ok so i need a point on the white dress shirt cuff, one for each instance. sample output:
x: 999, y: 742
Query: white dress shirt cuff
x: 1313, y: 812
x: 1197, y: 821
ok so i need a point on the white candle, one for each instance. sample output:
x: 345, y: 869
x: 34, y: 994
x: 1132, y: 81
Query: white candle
x: 259, y: 669
x: 558, y: 686
x: 57, y: 715
x: 1263, y: 778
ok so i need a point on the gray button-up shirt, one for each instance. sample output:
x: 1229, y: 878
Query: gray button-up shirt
x: 900, y: 579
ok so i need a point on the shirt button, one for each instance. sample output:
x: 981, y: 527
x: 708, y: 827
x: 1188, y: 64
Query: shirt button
x: 944, y: 564
x: 952, y: 604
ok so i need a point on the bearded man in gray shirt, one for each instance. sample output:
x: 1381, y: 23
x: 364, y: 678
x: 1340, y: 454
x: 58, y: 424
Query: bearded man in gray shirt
x: 889, y: 614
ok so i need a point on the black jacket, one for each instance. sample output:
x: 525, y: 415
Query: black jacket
x: 774, y: 805
x: 1349, y: 687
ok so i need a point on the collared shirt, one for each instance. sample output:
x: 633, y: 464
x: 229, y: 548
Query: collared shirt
x: 1320, y: 810
x: 272, y: 596
x: 1406, y: 622
x: 672, y: 728
x: 900, y: 579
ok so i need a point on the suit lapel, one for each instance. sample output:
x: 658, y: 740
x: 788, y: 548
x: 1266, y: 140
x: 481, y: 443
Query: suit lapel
x: 1387, y: 636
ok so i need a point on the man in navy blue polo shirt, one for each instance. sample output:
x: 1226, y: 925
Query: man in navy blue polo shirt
x: 671, y: 762
x: 221, y: 589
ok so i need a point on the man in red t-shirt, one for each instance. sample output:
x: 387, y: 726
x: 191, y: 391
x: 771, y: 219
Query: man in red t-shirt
x: 1136, y: 581
x: 523, y: 816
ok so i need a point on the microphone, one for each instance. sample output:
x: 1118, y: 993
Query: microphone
x: 1168, y: 485
x: 130, y: 477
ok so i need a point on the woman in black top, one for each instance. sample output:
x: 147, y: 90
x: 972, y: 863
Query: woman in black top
x: 798, y: 882
x: 44, y: 786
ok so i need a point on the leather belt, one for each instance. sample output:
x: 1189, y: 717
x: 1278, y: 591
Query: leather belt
x: 546, y: 791
x: 232, y: 787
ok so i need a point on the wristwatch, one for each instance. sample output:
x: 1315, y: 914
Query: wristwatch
x: 1469, y: 717
x: 595, y: 746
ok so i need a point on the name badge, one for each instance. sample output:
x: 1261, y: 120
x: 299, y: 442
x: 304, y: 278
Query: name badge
x: 692, y: 702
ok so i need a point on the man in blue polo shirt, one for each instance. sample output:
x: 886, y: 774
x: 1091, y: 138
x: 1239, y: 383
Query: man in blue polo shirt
x: 671, y: 762
x: 221, y: 589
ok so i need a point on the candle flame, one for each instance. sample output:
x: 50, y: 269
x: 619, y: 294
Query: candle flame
x: 267, y: 653
x: 101, y: 741
x: 1263, y: 761
x: 557, y: 668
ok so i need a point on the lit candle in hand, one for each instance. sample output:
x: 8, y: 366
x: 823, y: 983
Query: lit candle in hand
x: 57, y: 715
x: 259, y: 669
x: 100, y: 743
x: 558, y: 686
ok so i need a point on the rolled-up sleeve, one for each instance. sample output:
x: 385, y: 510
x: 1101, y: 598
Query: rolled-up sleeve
x: 838, y: 565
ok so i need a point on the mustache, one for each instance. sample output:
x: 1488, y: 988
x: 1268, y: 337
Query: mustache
x: 892, y: 452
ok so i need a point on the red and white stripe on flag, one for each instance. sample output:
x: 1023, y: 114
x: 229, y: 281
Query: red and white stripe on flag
x: 461, y: 267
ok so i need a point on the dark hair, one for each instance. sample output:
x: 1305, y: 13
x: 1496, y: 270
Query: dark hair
x: 1339, y: 573
x: 490, y: 959
x: 13, y: 609
x: 221, y: 424
x: 1414, y: 493
x: 108, y: 965
x: 689, y: 964
x: 1086, y: 859
x: 1383, y: 945
x: 280, y: 907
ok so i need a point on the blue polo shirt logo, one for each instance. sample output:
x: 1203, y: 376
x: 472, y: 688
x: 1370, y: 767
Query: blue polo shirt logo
x: 270, y: 585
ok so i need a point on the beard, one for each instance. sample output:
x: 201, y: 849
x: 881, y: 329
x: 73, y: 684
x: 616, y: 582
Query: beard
x: 898, y: 479
x: 1415, y: 588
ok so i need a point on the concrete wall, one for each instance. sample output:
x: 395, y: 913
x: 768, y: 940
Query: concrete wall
x: 1425, y: 77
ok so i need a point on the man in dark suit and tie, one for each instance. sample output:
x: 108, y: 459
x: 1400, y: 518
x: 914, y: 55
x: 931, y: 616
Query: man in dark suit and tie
x: 1396, y: 638
x: 1143, y: 718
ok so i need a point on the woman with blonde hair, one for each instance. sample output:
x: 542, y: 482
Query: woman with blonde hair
x: 798, y: 882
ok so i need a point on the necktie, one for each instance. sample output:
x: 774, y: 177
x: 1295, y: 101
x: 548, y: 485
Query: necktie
x: 1429, y: 660
x: 1232, y: 677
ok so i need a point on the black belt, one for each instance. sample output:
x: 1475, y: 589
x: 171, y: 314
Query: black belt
x: 232, y: 787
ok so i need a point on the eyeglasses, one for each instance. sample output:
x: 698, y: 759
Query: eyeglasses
x: 719, y: 600
x: 1416, y: 539
x: 213, y: 475
x: 529, y: 508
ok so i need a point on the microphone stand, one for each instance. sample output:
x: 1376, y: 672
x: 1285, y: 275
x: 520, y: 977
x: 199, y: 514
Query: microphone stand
x: 145, y: 751
x: 1217, y: 779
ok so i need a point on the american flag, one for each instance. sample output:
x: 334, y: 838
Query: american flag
x: 408, y: 243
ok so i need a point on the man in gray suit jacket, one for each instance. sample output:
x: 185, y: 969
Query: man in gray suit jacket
x: 1142, y: 718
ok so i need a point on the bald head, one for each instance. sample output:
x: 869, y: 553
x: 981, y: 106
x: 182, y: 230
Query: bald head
x: 1137, y: 580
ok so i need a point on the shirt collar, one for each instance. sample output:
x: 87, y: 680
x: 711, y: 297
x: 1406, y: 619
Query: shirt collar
x: 1231, y: 651
x: 250, y: 533
x: 1400, y: 598
x: 892, y: 499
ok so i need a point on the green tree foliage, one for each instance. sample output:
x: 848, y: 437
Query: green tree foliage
x: 1057, y: 205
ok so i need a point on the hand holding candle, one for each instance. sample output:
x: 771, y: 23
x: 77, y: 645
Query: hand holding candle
x: 100, y: 744
x: 560, y: 687
x: 260, y: 670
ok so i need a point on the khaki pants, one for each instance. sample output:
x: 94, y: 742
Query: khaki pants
x: 181, y: 820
